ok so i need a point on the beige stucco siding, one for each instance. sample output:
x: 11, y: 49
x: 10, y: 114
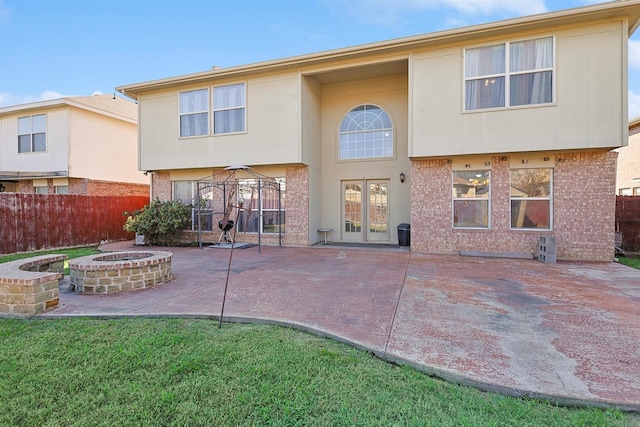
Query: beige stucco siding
x: 272, y: 136
x: 311, y: 151
x: 54, y: 159
x: 587, y: 111
x: 337, y: 100
x: 310, y: 101
x: 103, y: 148
x: 629, y: 166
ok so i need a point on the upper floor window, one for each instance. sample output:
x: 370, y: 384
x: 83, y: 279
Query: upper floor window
x: 229, y: 109
x: 471, y: 196
x: 509, y: 74
x: 32, y: 133
x: 194, y: 113
x: 531, y: 191
x: 365, y: 132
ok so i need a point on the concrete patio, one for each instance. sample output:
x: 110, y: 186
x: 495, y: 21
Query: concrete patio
x: 567, y: 332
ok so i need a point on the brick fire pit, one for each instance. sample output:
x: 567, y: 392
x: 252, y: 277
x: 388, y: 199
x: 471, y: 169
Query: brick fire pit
x: 119, y: 271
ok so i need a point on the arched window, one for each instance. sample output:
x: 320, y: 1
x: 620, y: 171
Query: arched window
x: 365, y: 132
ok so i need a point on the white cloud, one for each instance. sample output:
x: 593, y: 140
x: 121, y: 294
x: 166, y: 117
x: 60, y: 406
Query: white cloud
x: 7, y: 99
x: 634, y: 105
x: 634, y: 54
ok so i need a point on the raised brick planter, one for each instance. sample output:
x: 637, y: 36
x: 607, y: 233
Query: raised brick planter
x: 31, y: 285
x: 119, y: 271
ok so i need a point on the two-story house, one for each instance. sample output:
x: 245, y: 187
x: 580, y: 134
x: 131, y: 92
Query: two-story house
x: 628, y: 176
x: 482, y: 138
x: 76, y: 145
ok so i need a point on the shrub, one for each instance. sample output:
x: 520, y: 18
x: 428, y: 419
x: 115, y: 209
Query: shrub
x: 162, y: 223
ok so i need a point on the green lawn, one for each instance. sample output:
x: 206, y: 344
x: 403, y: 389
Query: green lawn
x: 71, y: 253
x: 186, y: 372
x: 631, y: 262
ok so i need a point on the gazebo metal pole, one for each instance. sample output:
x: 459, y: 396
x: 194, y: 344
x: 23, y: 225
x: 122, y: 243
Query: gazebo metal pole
x: 279, y: 214
x: 259, y: 214
x: 199, y: 215
x: 226, y: 283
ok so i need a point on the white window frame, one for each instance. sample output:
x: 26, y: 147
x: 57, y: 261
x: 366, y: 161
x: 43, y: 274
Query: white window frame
x: 486, y: 199
x: 388, y: 135
x: 61, y: 189
x: 227, y: 108
x: 193, y: 113
x: 31, y: 133
x: 206, y: 208
x: 507, y: 74
x: 245, y: 183
x: 548, y: 198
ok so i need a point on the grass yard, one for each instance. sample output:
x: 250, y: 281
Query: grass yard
x: 71, y: 253
x: 631, y: 262
x: 186, y: 372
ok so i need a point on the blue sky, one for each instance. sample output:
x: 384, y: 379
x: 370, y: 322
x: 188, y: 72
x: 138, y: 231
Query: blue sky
x: 55, y: 48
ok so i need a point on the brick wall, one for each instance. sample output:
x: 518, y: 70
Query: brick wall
x: 161, y: 184
x: 87, y: 187
x: 297, y: 206
x: 26, y: 187
x: 584, y: 205
x: 104, y: 188
x: 295, y: 201
x: 583, y: 209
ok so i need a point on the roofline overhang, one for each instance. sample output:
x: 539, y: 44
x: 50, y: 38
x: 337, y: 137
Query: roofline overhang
x: 610, y: 10
x: 634, y: 122
x: 62, y: 102
x: 23, y: 175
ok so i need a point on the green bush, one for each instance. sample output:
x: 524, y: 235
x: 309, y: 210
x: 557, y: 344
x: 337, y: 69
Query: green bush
x: 162, y: 223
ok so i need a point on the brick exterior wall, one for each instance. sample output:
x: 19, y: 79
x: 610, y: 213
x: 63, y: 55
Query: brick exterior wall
x: 104, y: 188
x: 88, y: 187
x: 583, y: 209
x: 584, y: 205
x: 297, y: 206
x: 26, y: 187
x: 161, y: 184
x: 295, y: 201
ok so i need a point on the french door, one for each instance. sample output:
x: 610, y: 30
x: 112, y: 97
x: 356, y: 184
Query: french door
x: 365, y: 211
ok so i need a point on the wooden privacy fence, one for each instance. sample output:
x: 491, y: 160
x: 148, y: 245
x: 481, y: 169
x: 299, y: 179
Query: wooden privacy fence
x: 30, y: 222
x: 628, y: 221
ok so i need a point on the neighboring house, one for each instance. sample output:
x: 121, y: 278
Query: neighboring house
x: 628, y: 176
x: 76, y: 145
x: 524, y: 112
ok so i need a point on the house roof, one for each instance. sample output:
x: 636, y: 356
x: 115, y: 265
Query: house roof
x: 107, y: 105
x: 634, y: 122
x: 609, y: 10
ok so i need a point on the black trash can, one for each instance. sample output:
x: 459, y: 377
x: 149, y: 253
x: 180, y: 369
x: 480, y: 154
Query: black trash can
x: 404, y: 234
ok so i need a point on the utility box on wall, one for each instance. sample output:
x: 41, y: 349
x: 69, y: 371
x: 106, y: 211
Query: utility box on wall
x: 547, y: 249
